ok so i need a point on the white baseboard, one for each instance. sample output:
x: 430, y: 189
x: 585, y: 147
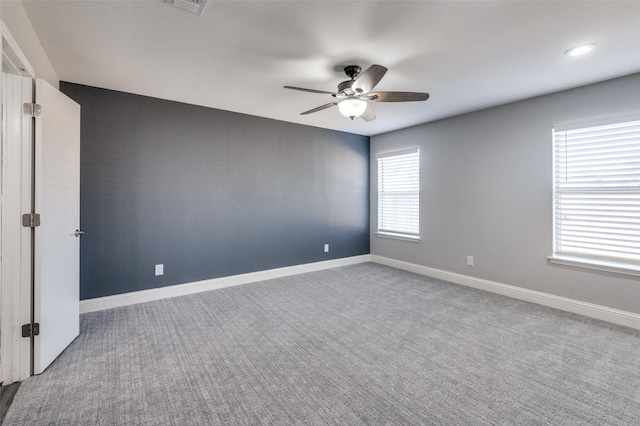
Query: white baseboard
x: 108, y: 302
x: 604, y: 313
x: 600, y: 312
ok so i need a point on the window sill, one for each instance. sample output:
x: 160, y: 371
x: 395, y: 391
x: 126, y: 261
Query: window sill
x: 598, y: 265
x: 414, y: 239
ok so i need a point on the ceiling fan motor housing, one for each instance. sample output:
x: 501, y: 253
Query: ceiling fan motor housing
x: 344, y: 89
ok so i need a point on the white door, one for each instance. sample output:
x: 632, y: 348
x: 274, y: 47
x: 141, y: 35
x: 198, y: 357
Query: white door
x: 57, y: 248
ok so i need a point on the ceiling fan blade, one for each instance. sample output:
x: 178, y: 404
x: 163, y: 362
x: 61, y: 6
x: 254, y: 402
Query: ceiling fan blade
x: 369, y: 79
x: 320, y: 108
x: 368, y: 114
x: 397, y: 96
x: 302, y: 89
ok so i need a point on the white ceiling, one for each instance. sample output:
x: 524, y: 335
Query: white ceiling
x: 237, y: 55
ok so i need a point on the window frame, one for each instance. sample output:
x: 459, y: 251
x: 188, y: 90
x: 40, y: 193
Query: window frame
x: 604, y: 263
x: 399, y: 233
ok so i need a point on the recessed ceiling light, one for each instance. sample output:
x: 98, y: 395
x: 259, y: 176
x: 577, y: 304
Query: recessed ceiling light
x: 583, y: 49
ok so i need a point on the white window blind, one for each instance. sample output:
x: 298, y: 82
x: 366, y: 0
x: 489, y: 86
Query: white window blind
x: 597, y: 193
x: 399, y: 193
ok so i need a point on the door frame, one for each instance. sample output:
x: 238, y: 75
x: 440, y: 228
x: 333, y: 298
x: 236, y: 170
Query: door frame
x: 16, y: 273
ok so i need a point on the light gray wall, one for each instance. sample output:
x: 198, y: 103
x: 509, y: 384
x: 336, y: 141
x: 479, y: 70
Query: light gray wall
x: 486, y: 191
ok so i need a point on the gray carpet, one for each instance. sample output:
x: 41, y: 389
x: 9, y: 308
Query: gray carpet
x: 363, y: 344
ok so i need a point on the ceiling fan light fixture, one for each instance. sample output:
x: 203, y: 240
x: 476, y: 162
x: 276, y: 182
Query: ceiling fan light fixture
x: 352, y: 108
x: 352, y: 95
x: 580, y: 50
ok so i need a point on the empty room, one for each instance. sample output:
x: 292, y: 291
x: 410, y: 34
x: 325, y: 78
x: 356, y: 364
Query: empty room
x: 320, y: 212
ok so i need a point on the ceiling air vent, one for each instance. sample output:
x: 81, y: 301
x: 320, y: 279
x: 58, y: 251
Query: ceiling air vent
x: 193, y: 6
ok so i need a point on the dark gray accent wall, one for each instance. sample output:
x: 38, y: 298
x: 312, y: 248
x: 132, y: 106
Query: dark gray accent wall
x: 486, y: 191
x: 209, y: 193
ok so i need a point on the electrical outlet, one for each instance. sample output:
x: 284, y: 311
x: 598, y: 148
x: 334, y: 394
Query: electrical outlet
x: 470, y: 260
x: 326, y: 248
x: 159, y: 269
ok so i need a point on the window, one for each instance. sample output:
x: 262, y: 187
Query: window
x: 596, y: 181
x: 399, y: 194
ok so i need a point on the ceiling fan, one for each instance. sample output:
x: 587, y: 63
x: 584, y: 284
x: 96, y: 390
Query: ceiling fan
x: 352, y: 95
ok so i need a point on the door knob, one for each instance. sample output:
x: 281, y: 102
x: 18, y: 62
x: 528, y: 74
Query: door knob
x: 78, y: 233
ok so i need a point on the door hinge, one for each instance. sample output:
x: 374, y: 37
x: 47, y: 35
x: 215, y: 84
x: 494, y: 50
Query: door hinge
x: 32, y: 110
x: 31, y: 330
x: 30, y: 220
